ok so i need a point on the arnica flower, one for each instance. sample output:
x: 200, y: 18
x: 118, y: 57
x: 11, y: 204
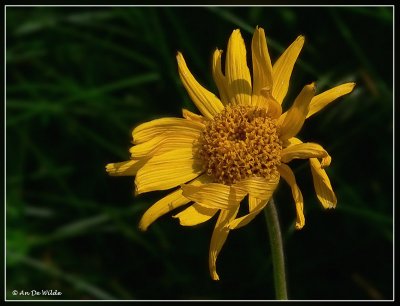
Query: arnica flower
x: 238, y: 146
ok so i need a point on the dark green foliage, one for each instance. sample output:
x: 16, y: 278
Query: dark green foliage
x: 80, y: 78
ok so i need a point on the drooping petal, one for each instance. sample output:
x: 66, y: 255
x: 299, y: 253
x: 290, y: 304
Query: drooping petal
x: 260, y: 192
x: 214, y: 195
x: 262, y: 68
x: 258, y: 187
x: 163, y: 143
x: 292, y: 141
x: 219, y: 77
x: 219, y: 236
x: 167, y: 170
x: 296, y: 115
x: 207, y: 103
x: 323, y: 99
x: 322, y: 185
x: 125, y: 168
x: 168, y: 203
x: 187, y: 114
x: 236, y: 71
x: 148, y: 130
x: 283, y: 67
x: 305, y: 150
x: 195, y: 214
x: 289, y: 177
x: 257, y: 206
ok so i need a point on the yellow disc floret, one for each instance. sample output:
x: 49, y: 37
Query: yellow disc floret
x: 238, y: 143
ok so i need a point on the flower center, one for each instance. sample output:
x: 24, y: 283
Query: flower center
x: 240, y: 142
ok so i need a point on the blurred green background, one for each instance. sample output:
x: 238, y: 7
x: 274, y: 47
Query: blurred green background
x: 80, y: 78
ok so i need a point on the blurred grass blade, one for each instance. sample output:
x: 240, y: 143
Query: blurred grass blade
x: 75, y: 281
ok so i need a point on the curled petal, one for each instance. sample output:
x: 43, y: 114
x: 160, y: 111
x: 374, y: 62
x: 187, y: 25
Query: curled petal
x: 289, y: 177
x: 282, y: 69
x: 219, y: 236
x: 304, y: 151
x: 255, y: 207
x: 236, y: 71
x: 195, y: 214
x: 293, y: 121
x: 207, y: 103
x: 323, y: 99
x: 214, y: 195
x: 260, y: 192
x: 322, y: 185
x: 219, y: 77
x: 291, y: 141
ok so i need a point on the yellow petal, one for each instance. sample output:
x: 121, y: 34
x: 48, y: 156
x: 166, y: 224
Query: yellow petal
x: 304, y: 151
x: 148, y: 130
x: 289, y: 177
x: 323, y: 99
x: 167, y: 204
x: 126, y: 168
x: 326, y: 158
x: 214, y: 195
x: 207, y: 103
x: 161, y: 207
x: 258, y: 187
x: 219, y: 236
x: 282, y: 69
x: 195, y: 214
x: 253, y: 203
x: 219, y: 77
x: 262, y: 68
x: 260, y: 192
x: 187, y: 114
x: 321, y: 180
x: 257, y: 206
x: 163, y: 143
x: 322, y: 185
x: 274, y: 108
x: 292, y: 141
x: 296, y: 115
x: 236, y: 71
x: 167, y: 170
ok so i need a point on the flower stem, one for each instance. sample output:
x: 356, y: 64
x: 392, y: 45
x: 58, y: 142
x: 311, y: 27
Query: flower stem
x: 278, y: 259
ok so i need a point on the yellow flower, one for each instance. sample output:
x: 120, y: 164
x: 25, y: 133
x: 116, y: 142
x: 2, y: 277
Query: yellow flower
x: 239, y: 146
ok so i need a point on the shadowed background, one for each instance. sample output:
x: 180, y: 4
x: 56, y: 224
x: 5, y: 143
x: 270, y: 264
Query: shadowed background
x: 80, y: 78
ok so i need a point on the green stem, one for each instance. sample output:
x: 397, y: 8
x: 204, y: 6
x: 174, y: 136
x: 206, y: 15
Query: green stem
x: 278, y: 258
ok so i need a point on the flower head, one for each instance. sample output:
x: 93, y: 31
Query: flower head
x: 239, y: 146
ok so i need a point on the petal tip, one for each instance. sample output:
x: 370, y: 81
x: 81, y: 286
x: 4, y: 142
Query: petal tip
x: 179, y: 57
x: 299, y: 226
x: 300, y: 38
x: 109, y: 167
x: 215, y: 276
x: 352, y: 85
x: 142, y: 227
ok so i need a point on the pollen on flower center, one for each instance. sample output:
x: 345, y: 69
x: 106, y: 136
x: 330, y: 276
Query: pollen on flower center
x: 238, y: 143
